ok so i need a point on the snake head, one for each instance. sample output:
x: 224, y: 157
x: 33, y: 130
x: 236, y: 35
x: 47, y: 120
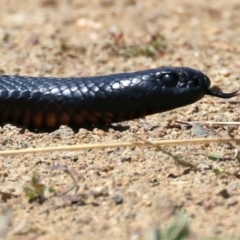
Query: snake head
x: 199, y: 79
x: 182, y: 86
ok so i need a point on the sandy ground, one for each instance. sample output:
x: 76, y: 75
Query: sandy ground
x: 124, y: 193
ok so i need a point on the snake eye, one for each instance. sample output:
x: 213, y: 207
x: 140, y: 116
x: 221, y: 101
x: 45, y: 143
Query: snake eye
x: 170, y: 80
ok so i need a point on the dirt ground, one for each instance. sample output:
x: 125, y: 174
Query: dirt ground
x: 124, y: 193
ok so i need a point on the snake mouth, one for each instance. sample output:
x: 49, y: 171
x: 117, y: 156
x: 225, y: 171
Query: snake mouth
x: 215, y: 93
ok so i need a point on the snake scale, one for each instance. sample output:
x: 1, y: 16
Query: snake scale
x: 47, y: 103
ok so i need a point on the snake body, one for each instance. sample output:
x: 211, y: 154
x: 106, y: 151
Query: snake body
x: 47, y: 103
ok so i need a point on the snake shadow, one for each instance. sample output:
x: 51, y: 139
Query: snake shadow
x: 75, y: 129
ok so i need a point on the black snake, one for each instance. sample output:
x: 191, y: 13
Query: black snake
x: 47, y: 103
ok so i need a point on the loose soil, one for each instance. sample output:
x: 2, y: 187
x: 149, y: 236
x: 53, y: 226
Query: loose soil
x: 124, y: 193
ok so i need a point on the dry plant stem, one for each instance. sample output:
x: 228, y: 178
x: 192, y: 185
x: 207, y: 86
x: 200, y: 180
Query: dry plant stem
x: 231, y: 101
x: 230, y: 144
x: 176, y: 158
x: 116, y: 145
x: 209, y: 123
x: 74, y: 185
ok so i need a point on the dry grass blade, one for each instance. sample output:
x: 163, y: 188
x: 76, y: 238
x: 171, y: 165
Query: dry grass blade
x: 72, y: 173
x: 209, y: 123
x: 230, y: 144
x: 117, y: 145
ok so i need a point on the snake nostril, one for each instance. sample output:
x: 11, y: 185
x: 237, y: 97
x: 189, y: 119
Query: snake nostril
x: 194, y: 82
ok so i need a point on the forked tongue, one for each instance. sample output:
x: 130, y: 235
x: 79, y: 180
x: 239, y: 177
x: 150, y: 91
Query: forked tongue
x: 214, y: 93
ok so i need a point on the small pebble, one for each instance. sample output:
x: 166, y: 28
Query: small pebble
x: 118, y: 199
